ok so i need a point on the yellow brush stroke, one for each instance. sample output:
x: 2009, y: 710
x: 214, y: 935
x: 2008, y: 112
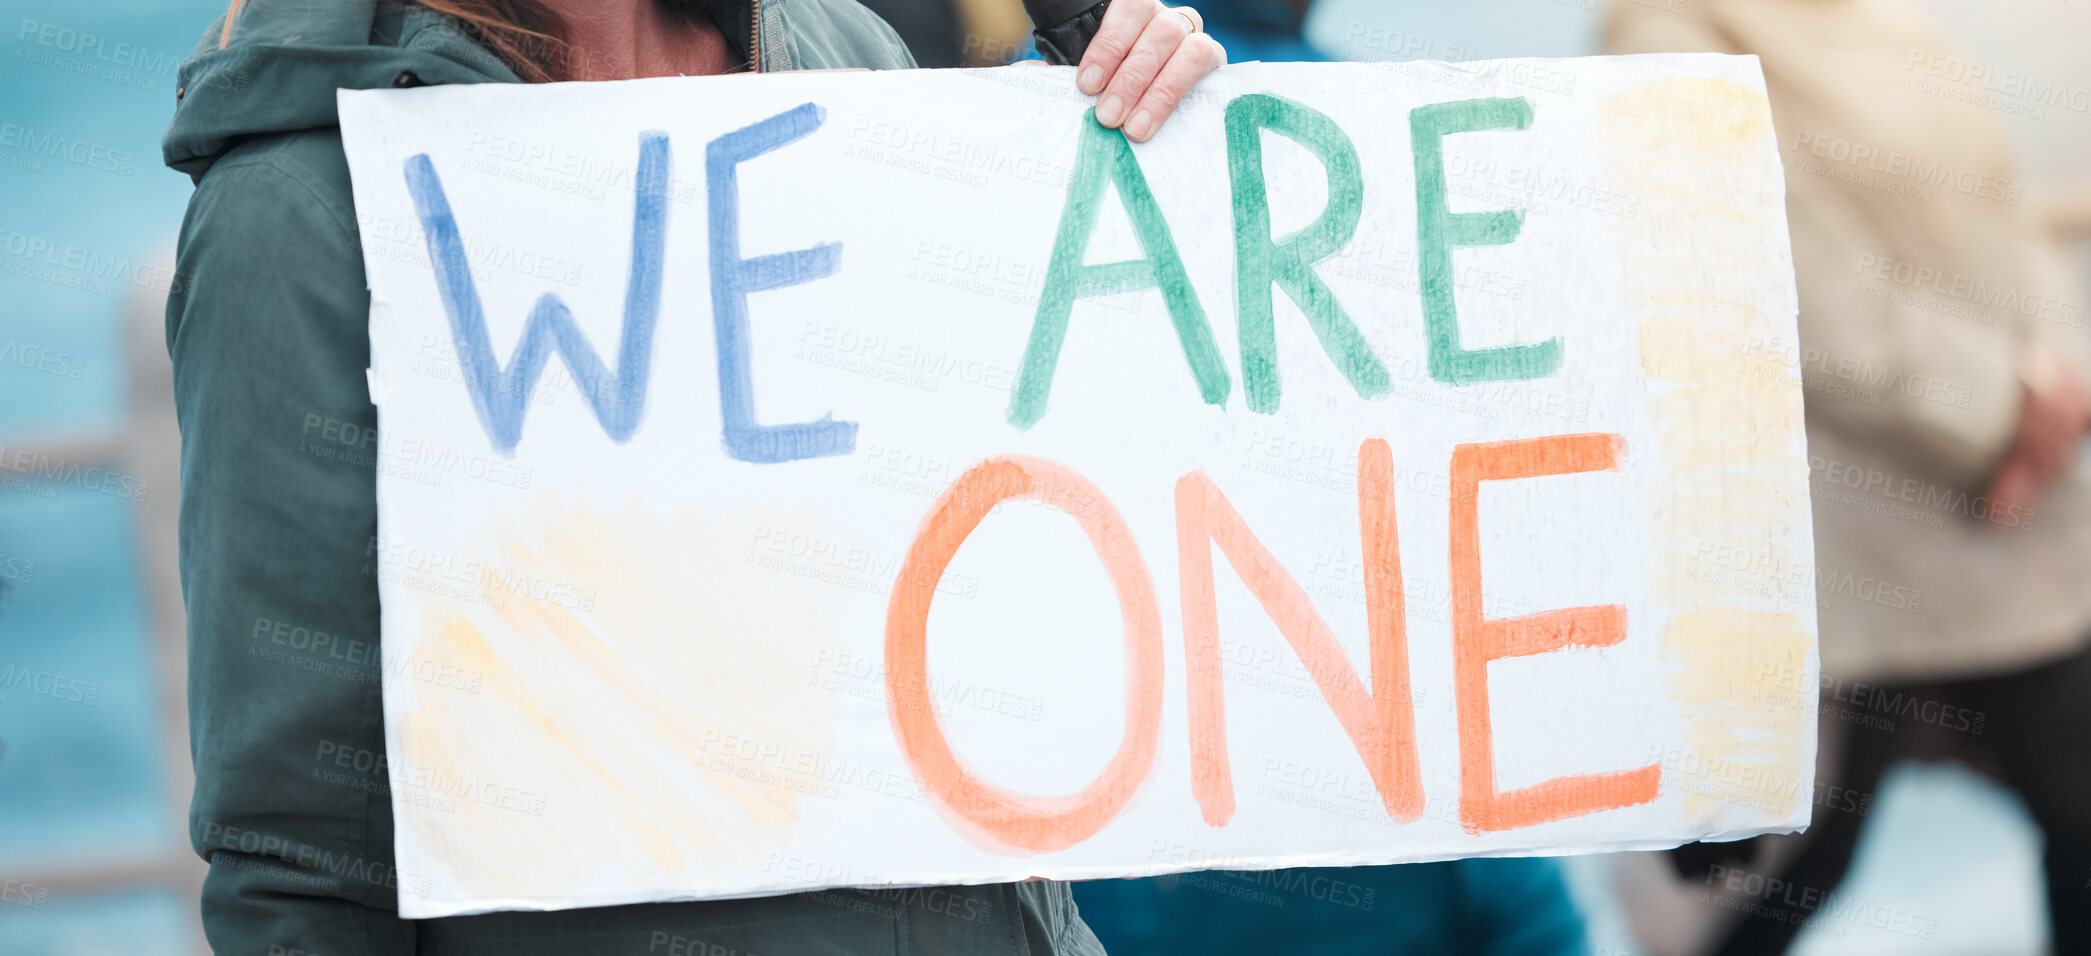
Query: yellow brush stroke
x: 1727, y: 434
x: 619, y: 718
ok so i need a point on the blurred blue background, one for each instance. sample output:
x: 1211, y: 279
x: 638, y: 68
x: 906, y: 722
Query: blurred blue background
x: 94, y: 774
x: 94, y: 770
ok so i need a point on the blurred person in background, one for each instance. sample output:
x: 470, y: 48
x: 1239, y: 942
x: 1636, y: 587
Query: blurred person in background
x: 1942, y: 334
x: 1481, y: 907
x: 270, y: 335
x: 998, y: 31
x: 1266, y: 30
x: 934, y: 30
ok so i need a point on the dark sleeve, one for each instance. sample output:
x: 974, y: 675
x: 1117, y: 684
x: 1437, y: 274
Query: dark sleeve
x: 267, y: 330
x: 1518, y: 906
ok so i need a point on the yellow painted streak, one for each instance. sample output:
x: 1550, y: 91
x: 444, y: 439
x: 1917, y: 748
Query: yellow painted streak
x: 606, y: 712
x: 443, y: 735
x: 1728, y: 436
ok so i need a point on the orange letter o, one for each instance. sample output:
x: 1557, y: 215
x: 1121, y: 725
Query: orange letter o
x: 986, y: 814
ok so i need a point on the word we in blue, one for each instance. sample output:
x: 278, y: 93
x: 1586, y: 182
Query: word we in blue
x: 501, y: 396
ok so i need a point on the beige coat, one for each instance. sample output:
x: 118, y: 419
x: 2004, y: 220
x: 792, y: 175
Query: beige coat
x: 1923, y: 277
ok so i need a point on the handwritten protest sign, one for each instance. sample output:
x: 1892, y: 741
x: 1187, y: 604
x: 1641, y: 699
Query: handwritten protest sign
x: 886, y: 479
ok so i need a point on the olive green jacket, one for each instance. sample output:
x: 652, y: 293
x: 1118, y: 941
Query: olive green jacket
x: 267, y: 331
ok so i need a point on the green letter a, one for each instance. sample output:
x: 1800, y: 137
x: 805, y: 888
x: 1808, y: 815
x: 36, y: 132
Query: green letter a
x: 1105, y: 155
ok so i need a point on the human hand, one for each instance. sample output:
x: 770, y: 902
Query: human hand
x: 1143, y: 59
x: 2051, y: 423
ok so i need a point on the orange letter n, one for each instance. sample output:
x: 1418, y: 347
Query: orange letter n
x: 1477, y: 640
x: 1382, y: 723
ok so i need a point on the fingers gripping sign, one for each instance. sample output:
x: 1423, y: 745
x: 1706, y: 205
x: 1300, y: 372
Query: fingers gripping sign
x: 1144, y: 58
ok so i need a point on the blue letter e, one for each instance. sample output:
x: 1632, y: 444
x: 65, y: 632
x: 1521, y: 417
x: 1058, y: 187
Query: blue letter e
x: 733, y: 278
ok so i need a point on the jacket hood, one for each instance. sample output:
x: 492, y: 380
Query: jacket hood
x: 279, y: 68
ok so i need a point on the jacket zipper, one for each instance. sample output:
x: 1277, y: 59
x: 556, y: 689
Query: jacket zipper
x: 754, y: 36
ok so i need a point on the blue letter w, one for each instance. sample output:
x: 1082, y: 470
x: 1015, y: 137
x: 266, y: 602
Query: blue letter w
x: 501, y: 396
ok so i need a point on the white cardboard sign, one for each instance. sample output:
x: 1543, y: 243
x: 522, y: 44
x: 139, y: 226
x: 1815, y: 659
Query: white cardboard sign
x: 802, y: 481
